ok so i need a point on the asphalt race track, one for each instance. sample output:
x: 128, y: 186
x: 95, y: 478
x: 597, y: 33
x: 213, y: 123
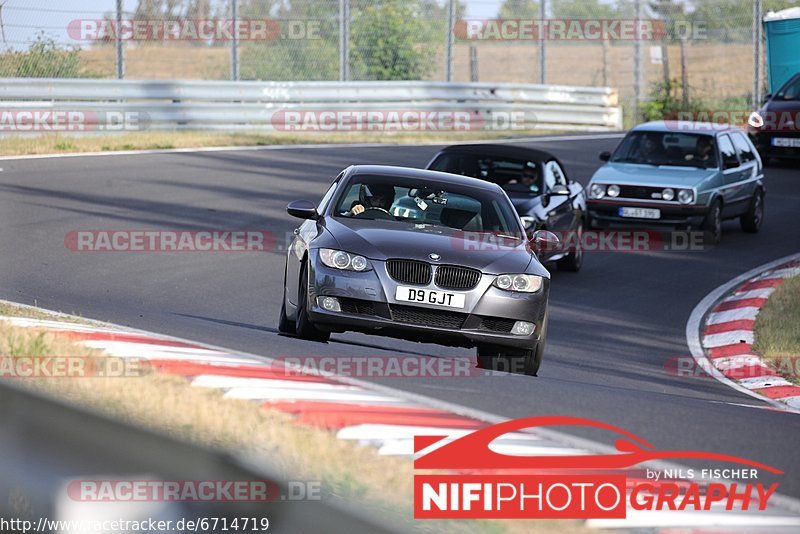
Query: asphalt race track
x: 612, y: 326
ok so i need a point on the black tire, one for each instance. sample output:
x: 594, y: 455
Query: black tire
x: 285, y: 326
x: 712, y: 226
x: 304, y: 328
x: 751, y: 221
x: 573, y: 261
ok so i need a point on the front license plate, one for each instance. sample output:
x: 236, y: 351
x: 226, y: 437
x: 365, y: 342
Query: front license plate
x: 640, y: 213
x: 786, y: 142
x: 428, y: 296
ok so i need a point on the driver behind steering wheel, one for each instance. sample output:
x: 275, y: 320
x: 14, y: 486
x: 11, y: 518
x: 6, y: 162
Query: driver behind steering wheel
x: 379, y: 196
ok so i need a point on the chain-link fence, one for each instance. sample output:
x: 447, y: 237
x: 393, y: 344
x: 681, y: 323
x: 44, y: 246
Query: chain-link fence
x: 660, y: 54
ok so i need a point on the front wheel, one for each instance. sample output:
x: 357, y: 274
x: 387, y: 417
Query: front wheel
x: 713, y: 224
x: 751, y: 221
x: 573, y: 261
x: 304, y: 327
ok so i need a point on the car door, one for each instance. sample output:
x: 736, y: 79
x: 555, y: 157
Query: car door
x: 732, y: 175
x: 299, y: 243
x: 559, y: 211
x: 751, y: 169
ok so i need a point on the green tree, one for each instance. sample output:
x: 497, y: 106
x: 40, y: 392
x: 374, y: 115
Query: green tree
x: 519, y: 9
x: 43, y: 59
x: 388, y: 41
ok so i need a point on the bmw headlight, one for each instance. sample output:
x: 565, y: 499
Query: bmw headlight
x: 339, y: 259
x: 668, y: 194
x: 597, y: 191
x: 525, y: 283
x: 685, y: 196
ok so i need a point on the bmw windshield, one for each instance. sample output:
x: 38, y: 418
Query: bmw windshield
x: 407, y: 201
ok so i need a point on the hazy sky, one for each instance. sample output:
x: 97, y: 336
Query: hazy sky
x: 23, y: 19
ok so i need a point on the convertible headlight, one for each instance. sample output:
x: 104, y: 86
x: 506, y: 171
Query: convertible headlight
x: 668, y: 194
x: 685, y: 196
x: 597, y: 191
x: 339, y: 259
x: 525, y: 283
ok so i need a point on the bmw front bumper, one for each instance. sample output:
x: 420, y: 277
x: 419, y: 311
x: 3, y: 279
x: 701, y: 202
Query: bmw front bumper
x: 368, y: 304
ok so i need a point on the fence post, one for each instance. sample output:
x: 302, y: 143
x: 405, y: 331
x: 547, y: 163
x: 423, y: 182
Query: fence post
x: 473, y: 63
x: 118, y: 39
x: 637, y: 65
x: 234, y: 42
x: 344, y: 40
x: 451, y: 24
x: 756, y: 53
x: 542, y: 38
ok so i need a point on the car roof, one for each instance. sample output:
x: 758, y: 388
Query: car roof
x: 690, y: 127
x: 508, y: 151
x: 423, y: 174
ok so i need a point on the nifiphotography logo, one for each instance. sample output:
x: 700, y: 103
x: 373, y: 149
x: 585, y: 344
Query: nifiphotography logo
x: 480, y: 483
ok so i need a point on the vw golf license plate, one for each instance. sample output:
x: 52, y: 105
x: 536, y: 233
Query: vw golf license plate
x: 640, y: 213
x: 429, y: 296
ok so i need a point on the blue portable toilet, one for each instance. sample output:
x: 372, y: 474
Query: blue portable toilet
x: 782, y: 32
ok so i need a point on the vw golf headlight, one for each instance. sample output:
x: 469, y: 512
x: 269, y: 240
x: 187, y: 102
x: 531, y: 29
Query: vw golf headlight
x: 597, y: 191
x: 685, y: 196
x: 344, y: 261
x: 525, y: 283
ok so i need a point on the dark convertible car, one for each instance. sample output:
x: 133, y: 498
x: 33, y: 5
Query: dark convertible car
x: 420, y: 255
x: 537, y: 184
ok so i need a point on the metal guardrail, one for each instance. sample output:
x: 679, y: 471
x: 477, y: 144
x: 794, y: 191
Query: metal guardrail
x: 259, y: 105
x: 46, y: 444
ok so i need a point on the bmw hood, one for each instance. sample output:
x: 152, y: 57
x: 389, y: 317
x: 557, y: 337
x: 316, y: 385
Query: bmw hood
x: 636, y: 174
x: 381, y: 240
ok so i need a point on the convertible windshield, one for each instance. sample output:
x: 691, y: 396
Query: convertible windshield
x: 517, y: 177
x: 668, y: 149
x: 410, y: 201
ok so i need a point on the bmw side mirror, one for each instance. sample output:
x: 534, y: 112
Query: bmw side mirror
x: 544, y: 240
x: 302, y: 209
x: 605, y: 155
x: 559, y: 190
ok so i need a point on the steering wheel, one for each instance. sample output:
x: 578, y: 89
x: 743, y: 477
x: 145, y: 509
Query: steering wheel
x: 384, y: 214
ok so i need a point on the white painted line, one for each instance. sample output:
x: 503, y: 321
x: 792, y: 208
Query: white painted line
x: 143, y: 349
x: 788, y: 272
x: 762, y: 293
x: 793, y: 402
x: 24, y: 322
x: 737, y: 362
x: 693, y: 334
x: 734, y: 337
x: 762, y: 382
x: 273, y: 394
x: 739, y: 314
x: 374, y: 432
x: 228, y: 382
x: 442, y: 143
